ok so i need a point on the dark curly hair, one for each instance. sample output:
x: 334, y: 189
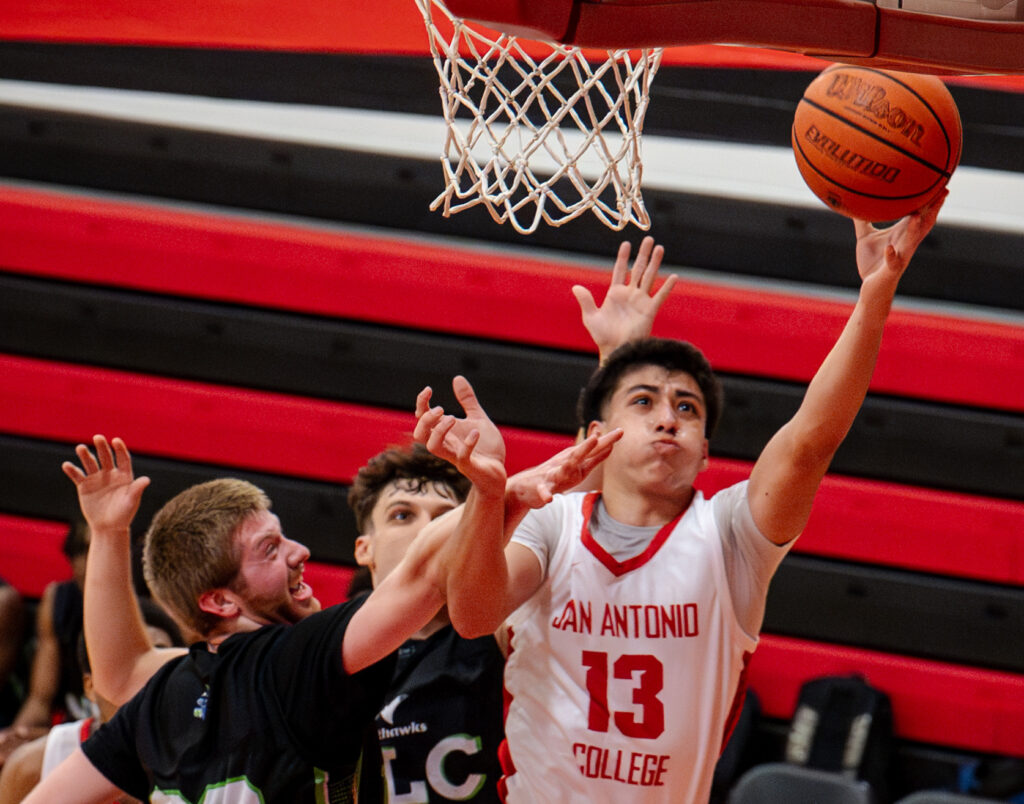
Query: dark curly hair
x: 414, y: 464
x: 668, y: 354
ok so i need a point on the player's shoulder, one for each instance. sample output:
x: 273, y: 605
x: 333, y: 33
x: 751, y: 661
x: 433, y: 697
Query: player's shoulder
x: 570, y: 503
x: 548, y: 522
x: 725, y: 499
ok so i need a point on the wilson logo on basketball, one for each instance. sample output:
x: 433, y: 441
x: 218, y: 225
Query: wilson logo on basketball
x: 875, y: 144
x: 873, y: 99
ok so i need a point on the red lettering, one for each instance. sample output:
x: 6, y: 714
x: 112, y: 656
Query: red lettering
x: 690, y: 625
x: 596, y: 663
x: 638, y: 769
x: 670, y: 620
x: 618, y: 766
x: 651, y: 723
x: 621, y: 621
x: 652, y: 623
x: 636, y: 620
x: 634, y: 768
x: 577, y: 749
x: 661, y: 770
x: 604, y: 764
x: 569, y: 617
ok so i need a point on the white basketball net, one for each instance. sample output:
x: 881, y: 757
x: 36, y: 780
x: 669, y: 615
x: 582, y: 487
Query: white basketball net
x: 538, y: 139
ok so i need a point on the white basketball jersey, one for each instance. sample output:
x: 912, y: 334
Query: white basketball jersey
x: 623, y: 677
x: 61, y: 742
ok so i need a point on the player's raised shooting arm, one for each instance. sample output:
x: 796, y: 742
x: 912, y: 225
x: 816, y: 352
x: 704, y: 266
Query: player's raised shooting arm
x: 487, y: 577
x: 120, y: 652
x: 475, y: 568
x: 788, y: 472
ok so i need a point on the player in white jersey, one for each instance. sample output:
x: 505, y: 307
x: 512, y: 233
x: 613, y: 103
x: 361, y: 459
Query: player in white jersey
x: 655, y: 638
x: 638, y: 605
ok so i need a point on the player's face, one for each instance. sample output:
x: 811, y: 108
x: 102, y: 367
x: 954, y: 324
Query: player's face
x: 269, y: 584
x: 662, y: 415
x: 401, y: 512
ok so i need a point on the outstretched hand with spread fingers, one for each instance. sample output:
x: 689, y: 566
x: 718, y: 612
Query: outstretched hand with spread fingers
x: 108, y: 491
x: 535, y: 487
x: 629, y: 307
x: 473, y: 444
x: 885, y: 253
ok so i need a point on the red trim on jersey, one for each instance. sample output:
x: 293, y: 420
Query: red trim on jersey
x: 736, y: 709
x: 86, y: 730
x: 619, y: 568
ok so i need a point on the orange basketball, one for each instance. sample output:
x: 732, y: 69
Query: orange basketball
x: 876, y: 144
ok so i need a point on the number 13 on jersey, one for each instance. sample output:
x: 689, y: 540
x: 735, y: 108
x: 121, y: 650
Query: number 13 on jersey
x: 646, y: 675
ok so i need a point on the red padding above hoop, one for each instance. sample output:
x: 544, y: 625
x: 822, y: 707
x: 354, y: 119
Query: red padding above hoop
x: 852, y: 31
x: 536, y: 19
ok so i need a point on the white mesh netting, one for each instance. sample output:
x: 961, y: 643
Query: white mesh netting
x: 538, y: 138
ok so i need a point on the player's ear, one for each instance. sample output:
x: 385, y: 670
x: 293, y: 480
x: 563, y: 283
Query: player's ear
x: 595, y: 427
x: 87, y: 687
x: 364, y: 550
x: 219, y: 603
x: 705, y: 459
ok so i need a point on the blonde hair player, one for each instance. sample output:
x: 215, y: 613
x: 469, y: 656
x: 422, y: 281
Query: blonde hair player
x: 216, y: 554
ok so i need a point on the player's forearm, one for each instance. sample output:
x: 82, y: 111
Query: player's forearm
x: 426, y: 560
x: 515, y: 510
x: 477, y: 570
x: 837, y: 391
x: 115, y: 633
x: 73, y: 781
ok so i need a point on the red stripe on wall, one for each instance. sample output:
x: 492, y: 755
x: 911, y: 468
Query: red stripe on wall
x: 905, y: 527
x: 329, y: 581
x: 933, y: 702
x: 485, y: 294
x: 31, y: 558
x: 30, y: 553
x: 193, y: 421
x: 853, y: 519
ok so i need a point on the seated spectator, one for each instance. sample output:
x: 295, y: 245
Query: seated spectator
x: 32, y: 761
x: 12, y: 633
x: 55, y: 691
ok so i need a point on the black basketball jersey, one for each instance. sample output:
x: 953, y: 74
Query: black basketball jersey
x: 270, y: 717
x: 441, y: 725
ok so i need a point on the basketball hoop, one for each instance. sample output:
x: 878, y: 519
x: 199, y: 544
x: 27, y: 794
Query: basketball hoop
x: 536, y: 132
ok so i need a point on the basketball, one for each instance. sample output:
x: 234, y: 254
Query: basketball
x: 876, y: 144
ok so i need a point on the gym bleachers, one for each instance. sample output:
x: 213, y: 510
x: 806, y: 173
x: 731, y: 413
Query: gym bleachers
x: 235, y: 305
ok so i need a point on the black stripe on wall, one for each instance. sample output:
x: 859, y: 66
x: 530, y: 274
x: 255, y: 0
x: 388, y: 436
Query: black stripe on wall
x: 740, y: 105
x: 906, y: 441
x: 808, y: 245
